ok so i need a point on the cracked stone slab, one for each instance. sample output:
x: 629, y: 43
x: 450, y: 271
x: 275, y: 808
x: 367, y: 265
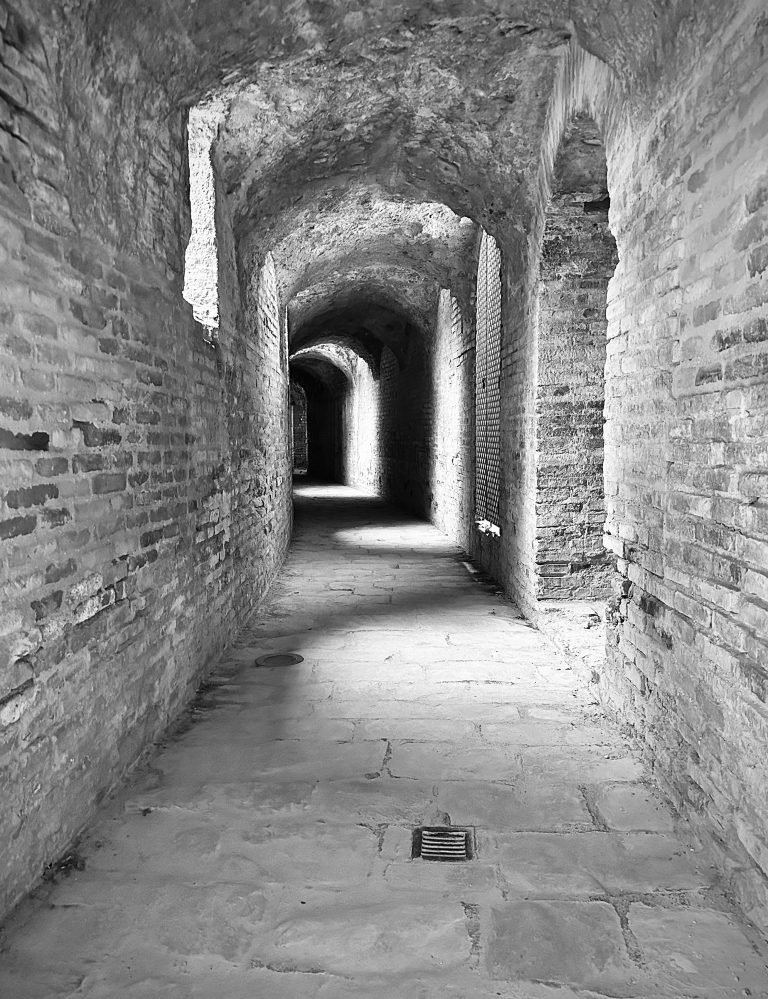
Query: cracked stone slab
x: 633, y: 807
x: 451, y: 761
x: 571, y: 944
x: 699, y: 952
x: 228, y: 845
x: 525, y: 806
x: 283, y: 760
x: 395, y: 937
x: 589, y: 863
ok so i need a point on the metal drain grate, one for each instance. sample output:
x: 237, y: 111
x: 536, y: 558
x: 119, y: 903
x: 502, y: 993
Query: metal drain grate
x: 279, y: 659
x: 444, y: 843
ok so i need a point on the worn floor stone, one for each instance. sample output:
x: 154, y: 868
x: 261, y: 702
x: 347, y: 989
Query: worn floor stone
x: 266, y: 850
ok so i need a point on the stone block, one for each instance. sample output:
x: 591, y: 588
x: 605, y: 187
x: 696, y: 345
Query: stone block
x: 570, y: 944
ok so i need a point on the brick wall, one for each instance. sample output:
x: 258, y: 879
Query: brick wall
x: 256, y: 375
x: 299, y: 426
x: 686, y: 408
x: 578, y: 257
x: 124, y: 527
x: 685, y: 420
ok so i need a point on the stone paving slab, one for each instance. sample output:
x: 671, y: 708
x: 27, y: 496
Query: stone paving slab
x: 543, y: 864
x: 701, y: 951
x: 568, y: 943
x: 633, y: 807
x: 266, y: 849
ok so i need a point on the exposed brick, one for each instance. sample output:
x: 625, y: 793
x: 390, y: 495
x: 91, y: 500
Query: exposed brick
x: 710, y: 374
x: 757, y: 196
x: 84, y: 264
x: 54, y: 518
x: 751, y: 366
x: 38, y: 325
x: 54, y: 573
x: 48, y: 605
x: 97, y: 436
x: 31, y: 496
x: 757, y: 261
x: 51, y: 466
x: 706, y: 313
x: 108, y: 482
x: 88, y: 314
x: 15, y: 527
x: 36, y: 441
x: 15, y: 409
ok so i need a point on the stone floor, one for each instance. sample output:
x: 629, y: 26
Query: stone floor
x: 267, y: 850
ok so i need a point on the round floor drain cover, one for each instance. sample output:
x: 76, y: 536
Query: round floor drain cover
x: 279, y: 659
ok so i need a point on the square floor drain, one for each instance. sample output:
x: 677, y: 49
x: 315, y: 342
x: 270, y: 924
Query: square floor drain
x: 445, y: 843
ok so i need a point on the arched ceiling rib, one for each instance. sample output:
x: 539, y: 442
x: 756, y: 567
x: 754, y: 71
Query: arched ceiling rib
x: 360, y: 225
x: 361, y: 322
x: 405, y: 292
x: 330, y: 364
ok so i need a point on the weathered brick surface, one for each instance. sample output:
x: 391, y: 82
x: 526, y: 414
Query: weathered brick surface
x: 685, y: 409
x: 685, y: 406
x: 135, y: 532
x: 686, y: 417
x: 578, y: 257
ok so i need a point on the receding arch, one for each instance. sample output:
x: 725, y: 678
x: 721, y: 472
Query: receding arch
x: 342, y: 412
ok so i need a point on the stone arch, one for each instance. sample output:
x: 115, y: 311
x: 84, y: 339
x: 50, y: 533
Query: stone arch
x: 324, y: 374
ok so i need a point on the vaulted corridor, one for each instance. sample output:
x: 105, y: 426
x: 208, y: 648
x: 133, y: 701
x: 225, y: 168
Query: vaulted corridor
x: 266, y: 849
x: 499, y: 269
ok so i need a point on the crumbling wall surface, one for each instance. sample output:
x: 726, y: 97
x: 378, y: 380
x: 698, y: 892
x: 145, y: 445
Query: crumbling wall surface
x: 116, y: 456
x: 686, y: 407
x: 578, y: 258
